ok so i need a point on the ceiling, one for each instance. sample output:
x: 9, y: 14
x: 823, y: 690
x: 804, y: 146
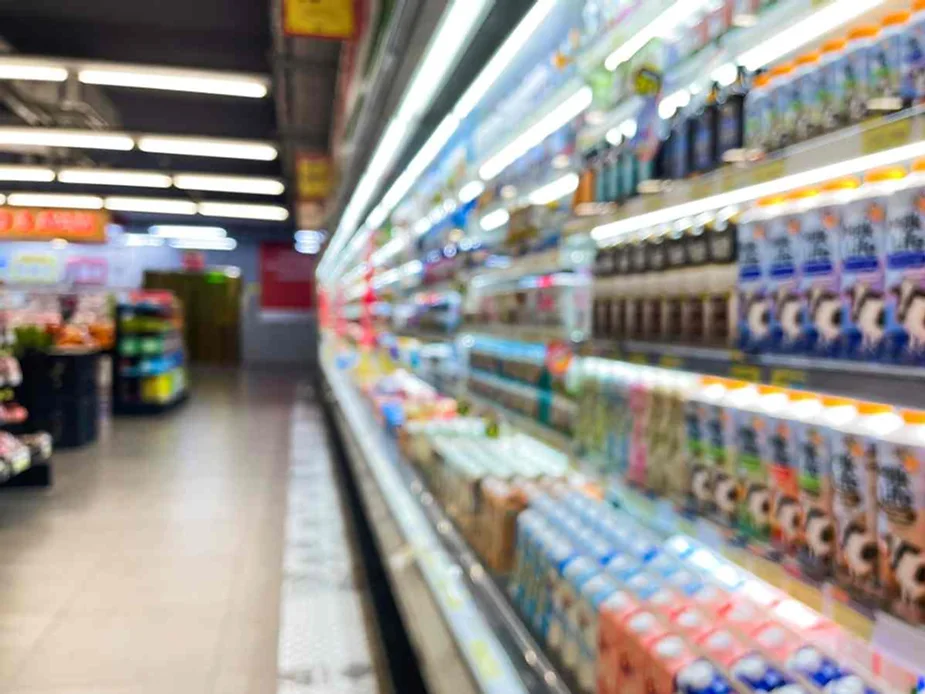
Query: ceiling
x: 232, y: 35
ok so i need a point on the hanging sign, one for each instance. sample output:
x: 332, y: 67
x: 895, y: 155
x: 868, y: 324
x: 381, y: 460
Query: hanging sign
x: 313, y: 176
x: 327, y: 19
x: 35, y: 224
x: 287, y: 278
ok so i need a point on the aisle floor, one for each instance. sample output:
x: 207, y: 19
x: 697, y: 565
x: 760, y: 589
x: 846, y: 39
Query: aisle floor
x: 155, y: 563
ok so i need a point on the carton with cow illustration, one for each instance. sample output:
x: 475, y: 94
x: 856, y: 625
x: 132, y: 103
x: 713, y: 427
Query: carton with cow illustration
x: 855, y: 457
x: 905, y: 270
x: 705, y: 445
x: 755, y: 303
x: 901, y: 501
x: 784, y: 234
x: 739, y: 404
x: 863, y: 251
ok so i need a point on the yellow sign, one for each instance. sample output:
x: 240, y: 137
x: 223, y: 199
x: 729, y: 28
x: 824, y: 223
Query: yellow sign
x: 768, y: 171
x: 313, y: 176
x: 886, y: 136
x: 329, y: 19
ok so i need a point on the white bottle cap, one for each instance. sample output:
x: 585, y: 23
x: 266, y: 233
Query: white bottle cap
x: 642, y: 623
x: 751, y: 666
x: 696, y: 676
x: 806, y: 659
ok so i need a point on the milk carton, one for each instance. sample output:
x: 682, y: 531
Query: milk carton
x: 738, y: 404
x: 784, y: 264
x: 863, y: 253
x: 901, y: 500
x: 617, y: 673
x: 581, y: 652
x: 754, y: 434
x: 704, y: 441
x: 565, y: 596
x: 815, y: 441
x: 675, y: 669
x: 555, y: 554
x: 854, y: 472
x: 755, y: 302
x: 820, y: 283
x: 905, y: 269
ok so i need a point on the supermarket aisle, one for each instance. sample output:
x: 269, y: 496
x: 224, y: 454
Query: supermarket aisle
x: 156, y: 563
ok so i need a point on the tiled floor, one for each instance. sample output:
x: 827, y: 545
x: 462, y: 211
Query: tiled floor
x: 155, y: 563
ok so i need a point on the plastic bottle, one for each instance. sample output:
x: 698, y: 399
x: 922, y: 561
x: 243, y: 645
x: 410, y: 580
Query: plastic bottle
x: 677, y: 163
x: 905, y: 269
x: 758, y: 116
x: 695, y: 281
x: 816, y: 438
x: 863, y: 256
x: 854, y: 471
x: 901, y: 503
x: 887, y: 58
x: 832, y: 90
x: 914, y: 66
x: 820, y: 284
x: 806, y: 88
x: 730, y: 125
x: 782, y: 100
x: 704, y: 147
x: 860, y: 75
x: 601, y: 192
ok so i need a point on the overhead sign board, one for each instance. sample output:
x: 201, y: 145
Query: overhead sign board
x: 313, y: 176
x: 36, y: 224
x: 329, y: 19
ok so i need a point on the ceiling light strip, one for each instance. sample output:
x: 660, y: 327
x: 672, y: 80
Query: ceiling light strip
x: 111, y: 177
x: 54, y: 137
x: 30, y: 174
x: 208, y: 147
x: 150, y: 205
x: 270, y: 213
x: 610, y: 233
x: 77, y: 202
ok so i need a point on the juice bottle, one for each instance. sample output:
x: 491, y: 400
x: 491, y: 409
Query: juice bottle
x: 905, y: 269
x: 758, y: 116
x: 820, y: 284
x: 854, y: 471
x: 861, y: 72
x: 782, y: 107
x: 807, y: 104
x: 832, y: 93
x: 863, y: 258
x: 887, y: 58
x: 817, y: 440
x: 730, y: 120
x: 720, y: 274
x: 695, y: 281
x: 676, y: 276
x: 901, y: 501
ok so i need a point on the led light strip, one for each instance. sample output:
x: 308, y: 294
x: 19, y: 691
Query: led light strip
x: 608, y: 234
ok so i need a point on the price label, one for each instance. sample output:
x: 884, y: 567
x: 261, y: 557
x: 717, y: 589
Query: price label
x: 647, y: 81
x: 745, y: 372
x: 786, y: 378
x: 650, y: 203
x: 768, y: 171
x: 730, y: 179
x: 640, y: 359
x: 671, y: 362
x: 701, y: 188
x: 886, y: 136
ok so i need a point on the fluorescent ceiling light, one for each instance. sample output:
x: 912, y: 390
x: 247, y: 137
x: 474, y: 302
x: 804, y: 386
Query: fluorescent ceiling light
x: 176, y: 80
x: 189, y: 233
x: 207, y: 147
x: 664, y: 24
x: 560, y: 116
x: 495, y: 220
x: 33, y: 174
x: 78, y: 202
x: 31, y: 69
x: 204, y: 244
x: 150, y: 205
x: 471, y: 191
x: 54, y: 137
x: 229, y: 184
x: 141, y: 241
x: 813, y: 27
x: 556, y: 190
x: 99, y: 177
x: 502, y: 58
x: 616, y: 230
x: 271, y: 213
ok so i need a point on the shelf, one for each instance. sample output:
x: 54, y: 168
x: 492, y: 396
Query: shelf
x: 818, y: 158
x: 889, y: 383
x: 520, y: 333
x: 496, y: 647
x: 427, y: 335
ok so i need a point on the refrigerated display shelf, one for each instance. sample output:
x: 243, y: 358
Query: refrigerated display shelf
x: 537, y: 430
x: 895, y: 384
x: 463, y: 601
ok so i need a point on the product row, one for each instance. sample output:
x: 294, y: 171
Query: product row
x: 836, y: 486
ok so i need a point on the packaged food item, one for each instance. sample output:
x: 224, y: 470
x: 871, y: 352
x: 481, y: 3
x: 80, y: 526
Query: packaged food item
x: 784, y: 263
x: 832, y: 85
x: 862, y: 75
x: 758, y: 116
x: 582, y: 654
x: 820, y: 282
x: 816, y: 439
x: 862, y: 255
x: 731, y: 120
x: 696, y: 282
x: 905, y: 269
x: 807, y: 102
x: 617, y: 672
x: 887, y: 59
x: 565, y: 597
x: 705, y: 442
x: 754, y: 439
x: 783, y: 98
x: 677, y: 160
x: 755, y: 299
x: 674, y: 669
x: 739, y: 404
x: 721, y: 293
x: 913, y: 82
x: 703, y: 124
x: 854, y: 473
x: 643, y: 629
x: 640, y: 391
x: 901, y: 501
